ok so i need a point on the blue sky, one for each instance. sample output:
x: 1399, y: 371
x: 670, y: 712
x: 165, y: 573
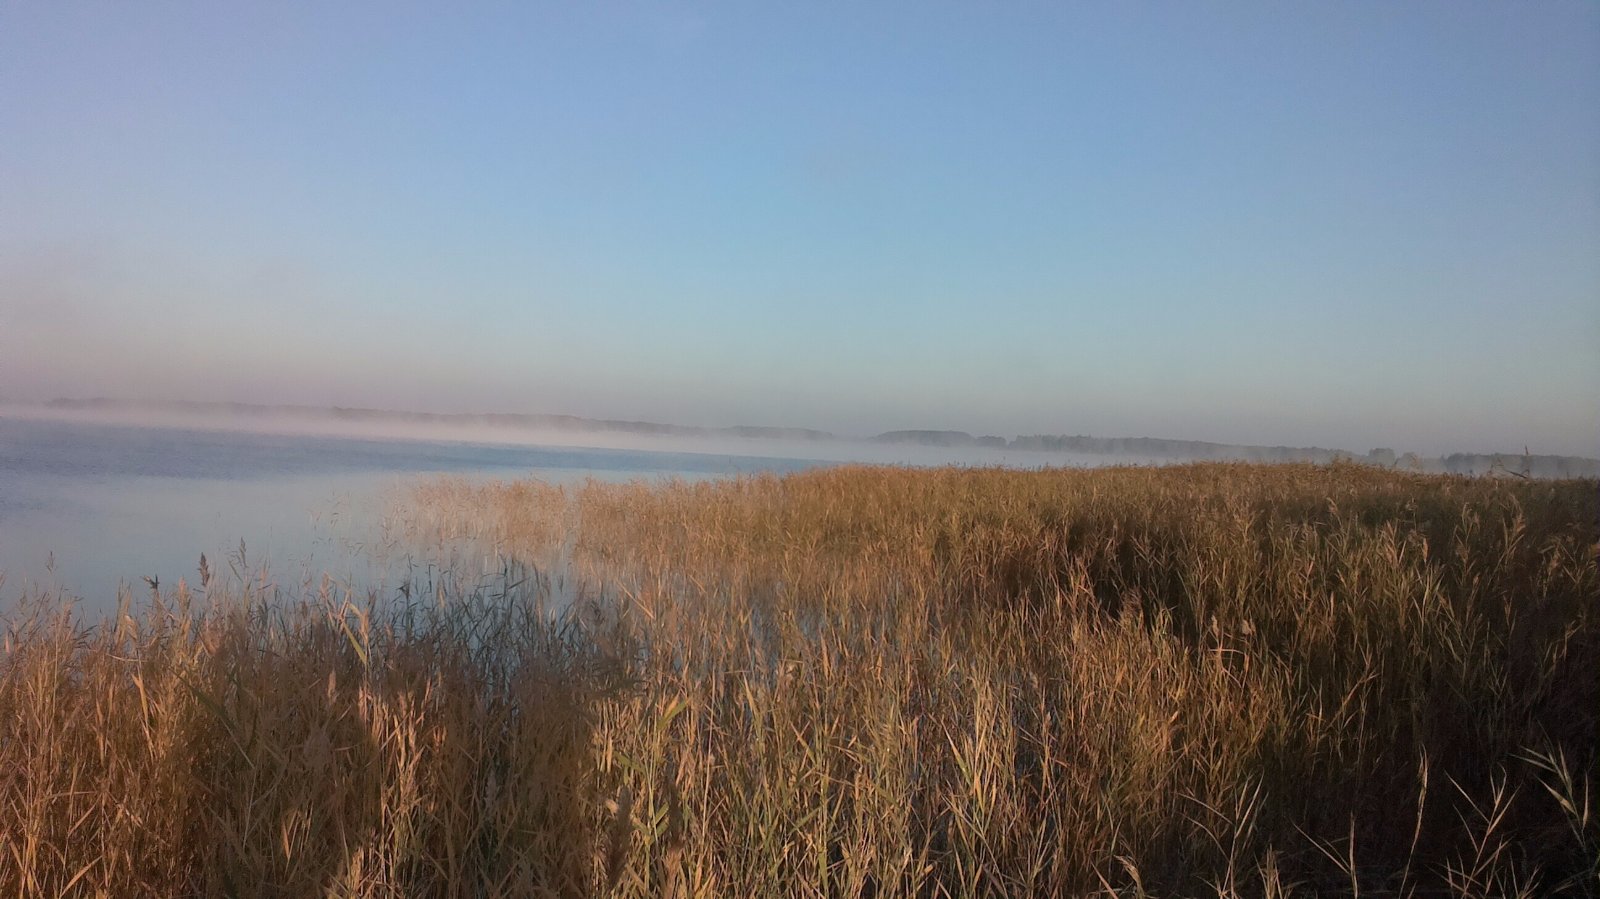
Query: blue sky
x: 1346, y: 224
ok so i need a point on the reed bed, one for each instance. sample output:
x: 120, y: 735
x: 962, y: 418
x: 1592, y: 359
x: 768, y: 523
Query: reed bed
x: 1222, y: 680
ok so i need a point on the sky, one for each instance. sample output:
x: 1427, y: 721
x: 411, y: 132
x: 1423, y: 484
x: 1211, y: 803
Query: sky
x: 1349, y: 224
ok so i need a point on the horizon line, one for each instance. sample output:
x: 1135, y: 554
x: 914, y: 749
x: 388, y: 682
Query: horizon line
x: 744, y: 431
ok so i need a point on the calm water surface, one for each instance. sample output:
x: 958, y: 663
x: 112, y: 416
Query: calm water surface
x: 85, y: 508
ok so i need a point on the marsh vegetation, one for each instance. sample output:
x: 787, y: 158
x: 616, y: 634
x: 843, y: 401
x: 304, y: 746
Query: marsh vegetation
x: 1215, y: 679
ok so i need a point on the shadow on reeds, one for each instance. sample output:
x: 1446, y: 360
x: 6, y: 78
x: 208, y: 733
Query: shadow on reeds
x: 267, y: 748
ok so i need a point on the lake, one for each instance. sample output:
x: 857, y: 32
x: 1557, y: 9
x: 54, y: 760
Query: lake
x: 86, y: 507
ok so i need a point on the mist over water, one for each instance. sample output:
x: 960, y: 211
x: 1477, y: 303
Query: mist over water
x: 86, y: 507
x: 89, y: 506
x: 92, y: 500
x: 295, y: 421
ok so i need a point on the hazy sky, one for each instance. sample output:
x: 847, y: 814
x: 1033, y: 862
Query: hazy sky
x: 1346, y: 224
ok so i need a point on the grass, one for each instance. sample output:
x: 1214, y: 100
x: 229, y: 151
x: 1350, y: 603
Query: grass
x: 1223, y: 680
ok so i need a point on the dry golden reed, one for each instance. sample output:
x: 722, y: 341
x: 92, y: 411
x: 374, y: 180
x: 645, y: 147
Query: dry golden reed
x: 1223, y: 680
